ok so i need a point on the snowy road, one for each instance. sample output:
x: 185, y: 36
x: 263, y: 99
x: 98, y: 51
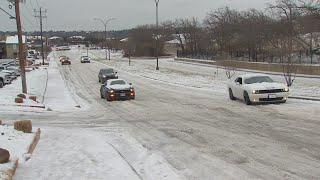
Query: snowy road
x: 195, y: 133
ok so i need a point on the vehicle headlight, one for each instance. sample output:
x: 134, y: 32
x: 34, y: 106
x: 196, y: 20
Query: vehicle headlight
x: 255, y: 92
x: 104, y: 76
x: 286, y: 89
x: 131, y: 89
x: 112, y: 91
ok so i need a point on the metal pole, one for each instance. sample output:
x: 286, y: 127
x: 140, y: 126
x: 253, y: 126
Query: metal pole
x: 21, y: 48
x: 157, y: 33
x: 105, y: 39
x: 42, y: 48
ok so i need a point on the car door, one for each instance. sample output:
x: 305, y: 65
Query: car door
x: 238, y: 87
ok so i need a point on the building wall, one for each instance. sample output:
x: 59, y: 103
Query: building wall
x: 3, y: 53
x: 13, y: 50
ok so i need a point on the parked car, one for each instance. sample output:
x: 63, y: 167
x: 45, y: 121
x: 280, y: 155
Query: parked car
x: 117, y: 89
x: 4, y: 79
x: 12, y: 74
x: 65, y: 61
x: 106, y: 74
x: 85, y: 59
x: 62, y: 58
x: 255, y: 88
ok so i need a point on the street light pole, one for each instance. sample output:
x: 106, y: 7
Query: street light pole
x: 105, y: 24
x: 157, y: 33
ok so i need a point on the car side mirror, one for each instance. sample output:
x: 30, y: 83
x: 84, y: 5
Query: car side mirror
x: 130, y: 84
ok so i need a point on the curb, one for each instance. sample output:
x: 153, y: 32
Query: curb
x: 34, y: 142
x: 20, y: 105
x: 10, y: 173
x: 304, y: 98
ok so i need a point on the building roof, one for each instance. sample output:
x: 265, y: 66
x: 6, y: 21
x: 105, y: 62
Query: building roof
x: 55, y: 37
x: 14, y: 39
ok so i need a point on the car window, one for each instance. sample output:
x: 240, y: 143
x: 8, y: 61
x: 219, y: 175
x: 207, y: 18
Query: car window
x: 118, y: 82
x: 239, y: 80
x: 258, y: 79
x: 107, y: 71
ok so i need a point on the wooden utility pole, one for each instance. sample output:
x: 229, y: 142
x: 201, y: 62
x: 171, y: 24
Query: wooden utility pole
x: 22, y: 57
x: 41, y: 16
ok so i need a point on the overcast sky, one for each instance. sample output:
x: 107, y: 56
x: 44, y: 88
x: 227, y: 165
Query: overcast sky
x: 79, y: 14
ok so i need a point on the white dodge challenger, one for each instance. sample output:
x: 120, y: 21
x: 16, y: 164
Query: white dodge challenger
x: 255, y: 88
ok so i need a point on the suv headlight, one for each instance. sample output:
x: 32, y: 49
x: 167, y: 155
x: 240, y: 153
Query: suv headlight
x: 286, y: 89
x: 255, y: 91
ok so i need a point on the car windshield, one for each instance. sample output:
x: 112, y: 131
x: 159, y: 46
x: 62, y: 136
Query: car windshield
x: 118, y: 82
x: 107, y: 71
x: 258, y: 79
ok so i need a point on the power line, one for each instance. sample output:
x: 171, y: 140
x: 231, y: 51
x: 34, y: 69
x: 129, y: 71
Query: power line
x: 11, y: 16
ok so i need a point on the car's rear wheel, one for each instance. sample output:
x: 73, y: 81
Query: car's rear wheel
x: 246, y: 98
x: 1, y: 84
x: 231, y: 95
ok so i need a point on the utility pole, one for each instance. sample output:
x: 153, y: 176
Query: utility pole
x: 41, y: 14
x: 157, y: 33
x: 22, y: 57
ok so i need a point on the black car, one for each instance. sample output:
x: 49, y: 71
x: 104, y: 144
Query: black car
x: 106, y: 74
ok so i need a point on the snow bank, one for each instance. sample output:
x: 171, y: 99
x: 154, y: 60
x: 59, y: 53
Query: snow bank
x: 17, y: 143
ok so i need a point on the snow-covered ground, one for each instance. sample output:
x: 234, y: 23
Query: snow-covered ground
x: 17, y: 143
x: 199, y: 76
x: 181, y: 126
x: 36, y: 86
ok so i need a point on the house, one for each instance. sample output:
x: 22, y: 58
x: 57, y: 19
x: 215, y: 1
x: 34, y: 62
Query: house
x: 171, y: 47
x: 12, y: 46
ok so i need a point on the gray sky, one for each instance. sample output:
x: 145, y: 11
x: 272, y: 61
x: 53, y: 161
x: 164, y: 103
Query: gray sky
x: 79, y: 14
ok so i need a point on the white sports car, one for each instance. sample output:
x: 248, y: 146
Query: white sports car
x: 255, y: 88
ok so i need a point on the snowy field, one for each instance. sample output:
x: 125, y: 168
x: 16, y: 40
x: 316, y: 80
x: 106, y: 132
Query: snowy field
x: 181, y: 126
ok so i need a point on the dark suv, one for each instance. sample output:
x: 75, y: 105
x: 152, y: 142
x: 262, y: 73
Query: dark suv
x: 106, y: 74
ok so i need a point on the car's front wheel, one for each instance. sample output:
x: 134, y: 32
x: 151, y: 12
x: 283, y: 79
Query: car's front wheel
x: 246, y: 98
x: 108, y: 98
x: 231, y: 95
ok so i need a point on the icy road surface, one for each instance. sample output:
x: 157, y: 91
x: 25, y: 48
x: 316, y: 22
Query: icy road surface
x: 196, y: 133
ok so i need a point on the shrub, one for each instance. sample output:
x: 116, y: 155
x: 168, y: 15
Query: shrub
x: 24, y: 126
x: 33, y: 98
x: 18, y: 100
x: 4, y: 156
x: 22, y: 96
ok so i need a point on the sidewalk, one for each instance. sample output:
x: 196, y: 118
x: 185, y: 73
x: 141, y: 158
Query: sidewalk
x: 74, y: 154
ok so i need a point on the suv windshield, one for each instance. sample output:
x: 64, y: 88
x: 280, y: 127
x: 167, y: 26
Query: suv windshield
x: 258, y: 79
x: 107, y: 71
x: 119, y: 82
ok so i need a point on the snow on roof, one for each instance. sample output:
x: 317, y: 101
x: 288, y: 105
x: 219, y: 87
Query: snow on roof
x: 77, y: 37
x: 54, y: 37
x: 124, y: 40
x: 14, y: 39
x: 249, y: 75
